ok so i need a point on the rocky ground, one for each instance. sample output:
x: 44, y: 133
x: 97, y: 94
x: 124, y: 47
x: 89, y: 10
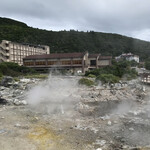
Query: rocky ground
x: 59, y: 114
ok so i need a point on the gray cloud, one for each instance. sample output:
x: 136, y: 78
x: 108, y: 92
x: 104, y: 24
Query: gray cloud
x: 128, y: 17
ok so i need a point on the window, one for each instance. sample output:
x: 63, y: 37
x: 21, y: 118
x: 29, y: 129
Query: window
x: 7, y: 45
x: 77, y: 62
x: 51, y: 62
x: 28, y: 63
x: 93, y: 62
x: 67, y: 62
x: 40, y: 63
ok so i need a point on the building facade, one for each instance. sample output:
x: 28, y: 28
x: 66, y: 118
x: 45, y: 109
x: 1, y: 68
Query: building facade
x: 104, y: 61
x: 15, y: 52
x: 78, y: 62
x: 93, y: 61
x: 3, y: 55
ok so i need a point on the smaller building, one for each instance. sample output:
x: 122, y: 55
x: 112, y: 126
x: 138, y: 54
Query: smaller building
x: 128, y: 57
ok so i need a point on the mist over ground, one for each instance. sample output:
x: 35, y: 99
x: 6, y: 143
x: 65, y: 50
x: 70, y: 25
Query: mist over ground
x: 56, y: 94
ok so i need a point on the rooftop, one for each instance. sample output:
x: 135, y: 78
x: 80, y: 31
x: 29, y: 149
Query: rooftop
x: 94, y: 55
x: 56, y: 55
x: 105, y: 57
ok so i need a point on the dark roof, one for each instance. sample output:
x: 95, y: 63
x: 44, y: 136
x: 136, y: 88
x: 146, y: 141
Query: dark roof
x: 94, y: 55
x: 56, y: 55
x: 105, y: 57
x: 145, y: 75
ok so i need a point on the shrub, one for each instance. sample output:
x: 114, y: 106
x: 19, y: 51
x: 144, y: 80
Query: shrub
x: 130, y: 74
x: 107, y: 78
x: 1, y: 74
x: 118, y: 69
x: 147, y: 65
x: 95, y: 72
x: 40, y: 76
x: 91, y: 76
x: 3, y: 68
x: 13, y: 69
x: 87, y: 82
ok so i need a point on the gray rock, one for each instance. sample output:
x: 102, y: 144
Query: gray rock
x: 3, y: 101
x: 109, y: 123
x: 6, y: 81
x: 16, y: 85
x: 17, y: 102
x: 17, y: 92
x: 2, y: 131
x: 2, y: 88
x: 24, y: 102
x: 17, y: 125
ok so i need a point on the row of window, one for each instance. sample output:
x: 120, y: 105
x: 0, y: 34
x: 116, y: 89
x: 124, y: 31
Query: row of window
x: 77, y: 61
x: 26, y: 48
x: 16, y: 57
x: 28, y: 63
x: 25, y: 52
x: 68, y: 62
x: 40, y: 63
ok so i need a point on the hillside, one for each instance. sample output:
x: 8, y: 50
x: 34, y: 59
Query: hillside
x: 73, y: 41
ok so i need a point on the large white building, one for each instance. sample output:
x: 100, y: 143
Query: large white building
x: 128, y: 56
x: 15, y: 52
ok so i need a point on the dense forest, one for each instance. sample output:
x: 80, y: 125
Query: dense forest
x: 73, y: 41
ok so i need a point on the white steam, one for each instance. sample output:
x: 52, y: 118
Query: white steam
x: 56, y: 94
x: 124, y: 107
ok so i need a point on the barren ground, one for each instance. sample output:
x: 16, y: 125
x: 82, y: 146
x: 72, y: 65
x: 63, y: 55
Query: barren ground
x: 102, y: 119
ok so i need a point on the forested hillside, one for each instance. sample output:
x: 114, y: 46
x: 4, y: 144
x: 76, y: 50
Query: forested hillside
x: 73, y: 41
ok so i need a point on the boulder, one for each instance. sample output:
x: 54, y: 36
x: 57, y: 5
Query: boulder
x: 6, y: 81
x: 17, y: 102
x: 3, y: 101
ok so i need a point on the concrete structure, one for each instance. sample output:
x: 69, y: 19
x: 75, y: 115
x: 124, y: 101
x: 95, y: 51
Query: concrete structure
x: 15, y: 52
x: 93, y: 61
x: 104, y: 61
x: 128, y: 56
x: 71, y: 61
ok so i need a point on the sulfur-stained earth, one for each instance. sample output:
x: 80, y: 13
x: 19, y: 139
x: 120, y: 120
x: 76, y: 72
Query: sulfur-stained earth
x: 22, y: 129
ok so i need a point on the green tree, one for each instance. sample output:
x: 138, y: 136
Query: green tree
x: 73, y: 41
x: 147, y: 64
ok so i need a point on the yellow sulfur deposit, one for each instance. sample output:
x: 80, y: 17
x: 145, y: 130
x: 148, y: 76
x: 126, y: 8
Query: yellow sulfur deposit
x: 45, y: 139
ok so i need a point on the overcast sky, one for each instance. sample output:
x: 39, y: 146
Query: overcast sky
x: 127, y: 17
